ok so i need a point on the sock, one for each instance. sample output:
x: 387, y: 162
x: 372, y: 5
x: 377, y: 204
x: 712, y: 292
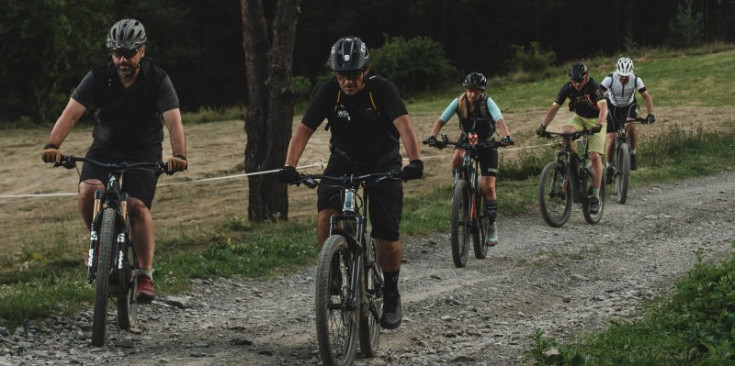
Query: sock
x: 632, y: 152
x: 596, y: 193
x: 391, y: 281
x: 147, y: 272
x: 491, y: 206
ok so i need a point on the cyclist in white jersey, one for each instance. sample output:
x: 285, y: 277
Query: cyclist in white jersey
x: 620, y: 88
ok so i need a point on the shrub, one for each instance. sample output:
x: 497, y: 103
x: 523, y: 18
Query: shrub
x: 533, y: 62
x: 414, y: 65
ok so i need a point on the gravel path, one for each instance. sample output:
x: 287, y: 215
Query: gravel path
x: 564, y: 281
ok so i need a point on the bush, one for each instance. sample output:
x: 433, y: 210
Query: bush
x: 531, y: 63
x: 414, y: 65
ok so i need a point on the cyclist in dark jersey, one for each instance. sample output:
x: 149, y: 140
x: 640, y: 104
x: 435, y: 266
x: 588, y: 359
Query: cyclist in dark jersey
x: 588, y: 103
x: 367, y: 118
x: 132, y: 96
x: 477, y: 113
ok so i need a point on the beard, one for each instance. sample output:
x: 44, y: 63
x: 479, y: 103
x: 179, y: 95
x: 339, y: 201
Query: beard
x: 126, y: 69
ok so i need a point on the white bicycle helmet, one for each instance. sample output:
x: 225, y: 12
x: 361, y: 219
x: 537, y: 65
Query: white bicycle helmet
x: 625, y: 66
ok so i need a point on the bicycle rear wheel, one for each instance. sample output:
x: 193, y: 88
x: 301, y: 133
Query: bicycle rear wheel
x: 371, y: 303
x: 460, y: 223
x: 588, y: 216
x: 127, y: 307
x: 480, y: 231
x: 622, y: 173
x: 336, y: 323
x: 104, y: 267
x: 555, y: 194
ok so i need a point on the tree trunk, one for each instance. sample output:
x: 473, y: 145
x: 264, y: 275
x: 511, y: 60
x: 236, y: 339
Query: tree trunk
x: 270, y: 103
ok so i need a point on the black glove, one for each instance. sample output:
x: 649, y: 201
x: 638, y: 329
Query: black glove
x: 432, y: 141
x: 650, y: 118
x: 51, y: 154
x: 288, y: 175
x: 597, y: 128
x: 507, y: 141
x: 541, y: 130
x: 414, y: 170
x: 176, y: 163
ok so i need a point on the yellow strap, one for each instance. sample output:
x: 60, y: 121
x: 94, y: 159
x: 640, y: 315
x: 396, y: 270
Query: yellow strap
x: 336, y: 104
x: 375, y: 108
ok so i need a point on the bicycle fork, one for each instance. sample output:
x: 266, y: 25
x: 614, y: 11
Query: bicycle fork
x: 94, y: 238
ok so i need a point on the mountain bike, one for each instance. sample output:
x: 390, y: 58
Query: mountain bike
x: 568, y: 180
x: 112, y: 261
x: 621, y: 161
x: 469, y: 219
x: 349, y: 280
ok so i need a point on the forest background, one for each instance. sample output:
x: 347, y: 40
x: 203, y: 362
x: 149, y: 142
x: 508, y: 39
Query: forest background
x: 49, y: 45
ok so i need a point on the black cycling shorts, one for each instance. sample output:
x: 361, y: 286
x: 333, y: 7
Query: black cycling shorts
x: 386, y: 198
x: 617, y: 115
x: 140, y: 184
x: 488, y: 159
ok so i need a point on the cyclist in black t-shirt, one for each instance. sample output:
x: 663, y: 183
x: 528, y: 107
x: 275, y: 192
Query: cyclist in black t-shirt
x: 132, y: 96
x: 589, y: 105
x: 367, y: 118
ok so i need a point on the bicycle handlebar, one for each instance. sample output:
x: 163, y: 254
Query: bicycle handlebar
x: 70, y: 161
x: 310, y: 180
x: 570, y: 135
x: 468, y: 146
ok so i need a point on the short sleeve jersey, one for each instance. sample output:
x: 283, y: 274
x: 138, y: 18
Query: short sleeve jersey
x: 583, y: 102
x: 127, y: 119
x: 619, y: 94
x: 476, y: 121
x: 361, y: 124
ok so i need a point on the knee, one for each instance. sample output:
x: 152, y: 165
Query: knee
x: 136, y: 208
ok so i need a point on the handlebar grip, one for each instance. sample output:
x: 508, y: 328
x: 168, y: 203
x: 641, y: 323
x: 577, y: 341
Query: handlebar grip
x: 309, y: 181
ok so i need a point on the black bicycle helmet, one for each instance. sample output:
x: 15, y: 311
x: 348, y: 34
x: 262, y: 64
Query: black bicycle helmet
x: 475, y: 80
x: 578, y: 72
x: 349, y: 54
x: 127, y: 33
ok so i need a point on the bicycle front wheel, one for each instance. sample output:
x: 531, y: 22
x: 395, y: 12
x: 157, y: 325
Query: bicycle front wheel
x: 622, y: 173
x: 127, y: 307
x: 371, y: 303
x: 461, y: 222
x: 480, y: 233
x: 336, y: 320
x: 104, y: 268
x: 555, y: 194
x: 588, y: 216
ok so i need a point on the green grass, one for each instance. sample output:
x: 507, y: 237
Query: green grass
x: 693, y: 326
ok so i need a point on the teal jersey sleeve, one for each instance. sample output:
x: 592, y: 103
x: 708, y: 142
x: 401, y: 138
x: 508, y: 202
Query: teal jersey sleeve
x: 450, y: 111
x: 493, y: 109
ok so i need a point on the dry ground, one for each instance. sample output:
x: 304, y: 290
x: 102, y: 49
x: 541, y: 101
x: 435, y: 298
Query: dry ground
x: 185, y: 204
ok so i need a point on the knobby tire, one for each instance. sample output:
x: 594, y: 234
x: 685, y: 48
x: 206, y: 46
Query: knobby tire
x: 555, y: 194
x: 104, y: 266
x: 336, y: 326
x: 460, y: 234
x: 371, y: 303
x: 127, y: 307
x: 588, y: 216
x: 622, y: 173
x: 482, y: 227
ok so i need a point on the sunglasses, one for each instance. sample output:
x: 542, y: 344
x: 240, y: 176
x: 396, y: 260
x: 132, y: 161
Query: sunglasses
x: 349, y: 74
x: 124, y: 52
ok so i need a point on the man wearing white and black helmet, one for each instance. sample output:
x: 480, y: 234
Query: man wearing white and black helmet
x: 131, y: 96
x: 621, y: 87
x: 367, y: 119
